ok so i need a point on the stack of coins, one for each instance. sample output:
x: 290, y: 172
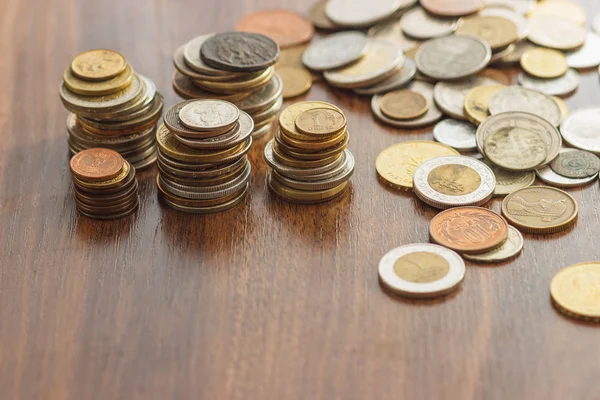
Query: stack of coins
x: 235, y: 67
x: 104, y: 184
x: 111, y: 106
x: 308, y: 156
x: 202, y: 147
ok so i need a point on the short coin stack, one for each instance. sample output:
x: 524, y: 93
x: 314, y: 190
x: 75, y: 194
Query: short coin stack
x: 111, y: 106
x: 202, y: 156
x: 308, y: 157
x: 232, y: 66
x: 104, y: 184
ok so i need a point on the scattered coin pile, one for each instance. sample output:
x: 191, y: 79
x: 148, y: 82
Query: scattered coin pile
x: 308, y: 156
x: 233, y: 66
x: 104, y: 184
x: 111, y: 106
x: 202, y: 147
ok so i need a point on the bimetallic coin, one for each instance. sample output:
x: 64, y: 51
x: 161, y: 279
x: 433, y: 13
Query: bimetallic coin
x: 453, y: 57
x: 556, y: 33
x: 360, y: 14
x: 457, y: 134
x: 588, y: 56
x: 560, y: 86
x: 335, y: 51
x: 477, y: 102
x: 403, y: 104
x: 576, y: 164
x: 580, y: 129
x: 509, y: 181
x: 516, y: 149
x: 320, y: 122
x: 452, y: 8
x: 239, y: 51
x: 469, y: 230
x: 96, y: 164
x: 450, y: 96
x: 295, y: 80
x: 575, y: 291
x: 514, y: 98
x: 510, y: 248
x: 540, y: 210
x: 498, y: 32
x: 421, y: 270
x: 396, y: 81
x: 98, y: 65
x: 419, y: 24
x: 287, y: 28
x: 391, y: 31
x: 544, y: 63
x: 208, y: 115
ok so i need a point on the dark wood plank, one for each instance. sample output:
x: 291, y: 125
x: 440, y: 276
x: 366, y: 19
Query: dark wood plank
x: 266, y: 301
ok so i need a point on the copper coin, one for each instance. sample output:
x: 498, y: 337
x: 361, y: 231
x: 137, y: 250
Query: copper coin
x: 287, y: 28
x: 470, y: 230
x: 96, y: 164
x: 452, y: 8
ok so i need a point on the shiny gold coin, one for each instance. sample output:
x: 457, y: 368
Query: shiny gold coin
x: 404, y: 104
x: 98, y: 65
x: 575, y: 291
x: 287, y: 118
x: 313, y: 145
x: 544, y: 63
x: 565, y: 9
x: 302, y: 196
x: 296, y: 80
x: 477, y: 102
x: 321, y: 122
x: 498, y: 32
x: 97, y: 88
x: 397, y: 164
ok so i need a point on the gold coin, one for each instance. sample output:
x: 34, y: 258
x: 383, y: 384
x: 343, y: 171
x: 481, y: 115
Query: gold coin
x: 296, y: 80
x: 302, y: 196
x: 403, y: 104
x: 327, y: 153
x: 544, y: 63
x: 321, y: 122
x: 498, y: 32
x: 575, y: 290
x: 540, y: 209
x: 296, y: 163
x: 109, y: 183
x: 238, y: 85
x: 397, y: 164
x: 97, y: 88
x: 564, y: 109
x: 314, y: 145
x: 564, y: 9
x: 477, y: 102
x: 292, y: 56
x: 98, y: 65
x: 287, y: 118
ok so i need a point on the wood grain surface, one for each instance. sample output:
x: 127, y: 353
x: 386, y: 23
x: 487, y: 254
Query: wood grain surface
x: 266, y: 301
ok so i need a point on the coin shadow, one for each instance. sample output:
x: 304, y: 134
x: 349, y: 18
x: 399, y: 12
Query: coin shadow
x: 96, y: 232
x: 425, y: 302
x: 406, y: 193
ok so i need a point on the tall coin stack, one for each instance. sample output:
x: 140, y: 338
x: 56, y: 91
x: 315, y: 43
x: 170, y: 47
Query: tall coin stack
x: 308, y: 156
x: 104, y: 184
x: 235, y: 67
x: 202, y: 148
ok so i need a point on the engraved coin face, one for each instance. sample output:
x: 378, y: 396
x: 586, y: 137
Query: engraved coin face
x: 98, y: 65
x: 498, y: 32
x: 452, y: 8
x: 510, y: 248
x: 547, y: 175
x: 208, y: 114
x: 556, y: 32
x: 320, y: 122
x: 579, y: 129
x: 240, y: 51
x: 403, y: 104
x: 359, y: 13
x: 453, y: 57
x: 477, y: 102
x: 540, y: 209
x: 421, y: 270
x: 469, y: 230
x: 516, y: 149
x: 287, y: 118
x: 335, y: 51
x: 96, y: 164
x: 509, y: 181
x: 285, y: 27
x: 419, y: 24
x: 575, y: 290
x: 459, y: 135
x: 576, y: 164
x: 544, y: 63
x: 450, y: 96
x: 514, y: 98
x: 560, y: 86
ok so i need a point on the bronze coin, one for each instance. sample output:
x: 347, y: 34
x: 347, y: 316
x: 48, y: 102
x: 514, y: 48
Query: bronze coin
x: 96, y: 164
x: 240, y: 51
x: 287, y: 28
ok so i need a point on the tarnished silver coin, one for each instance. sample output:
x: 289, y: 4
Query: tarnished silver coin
x: 518, y: 19
x: 515, y: 98
x: 432, y: 115
x: 509, y: 181
x: 516, y: 149
x: 459, y: 135
x: 508, y: 250
x: 547, y: 175
x: 421, y: 270
x: 353, y: 13
x: 453, y: 181
x: 335, y: 51
x: 207, y: 115
x: 191, y: 56
x: 580, y: 129
x: 450, y: 96
x: 239, y: 51
x: 560, y: 86
x: 419, y: 24
x: 391, y: 31
x: 576, y: 164
x: 453, y: 57
x: 555, y: 32
x: 396, y: 81
x: 588, y: 56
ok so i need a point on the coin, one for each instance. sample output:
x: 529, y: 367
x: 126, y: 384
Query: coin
x: 287, y: 28
x: 453, y: 57
x: 450, y: 96
x: 560, y: 86
x: 397, y: 164
x: 556, y: 33
x: 360, y: 14
x: 315, y: 185
x: 516, y: 149
x: 396, y: 81
x: 564, y: 109
x: 452, y: 8
x: 302, y: 196
x: 98, y: 65
x: 456, y: 134
x: 519, y: 20
x: 403, y: 104
x: 498, y: 32
x: 510, y: 248
x: 469, y: 230
x: 514, y: 98
x: 188, y: 61
x: 477, y: 102
x: 287, y: 118
x: 96, y: 164
x: 561, y: 9
x: 97, y: 88
x: 509, y: 181
x: 391, y: 31
x: 421, y: 270
x: 296, y: 81
x: 576, y: 164
x: 588, y: 56
x: 419, y: 24
x: 319, y: 19
x: 544, y: 63
x: 575, y: 291
x: 239, y: 51
x: 580, y: 129
x: 207, y: 115
x: 320, y: 122
x: 335, y: 51
x: 452, y: 181
x: 540, y: 209
x: 515, y: 55
x: 520, y: 6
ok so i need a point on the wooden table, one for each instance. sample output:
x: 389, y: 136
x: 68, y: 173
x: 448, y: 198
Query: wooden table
x: 266, y: 301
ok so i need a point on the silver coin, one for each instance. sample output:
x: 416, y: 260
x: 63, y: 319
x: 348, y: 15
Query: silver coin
x: 240, y: 177
x: 445, y: 182
x: 419, y: 24
x: 396, y: 81
x: 450, y: 96
x: 208, y: 115
x: 328, y: 183
x: 510, y: 248
x: 297, y: 172
x: 556, y: 33
x: 588, y: 55
x: 346, y: 155
x: 453, y: 57
x: 459, y: 135
x: 509, y: 181
x: 560, y: 86
x: 515, y: 55
x: 391, y: 31
x: 580, y: 129
x: 576, y: 164
x: 522, y: 7
x: 263, y: 97
x: 354, y: 13
x: 596, y: 24
x: 227, y: 140
x: 518, y: 19
x: 515, y: 98
x: 432, y: 115
x: 335, y: 51
x: 191, y: 55
x: 550, y: 177
x: 401, y: 270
